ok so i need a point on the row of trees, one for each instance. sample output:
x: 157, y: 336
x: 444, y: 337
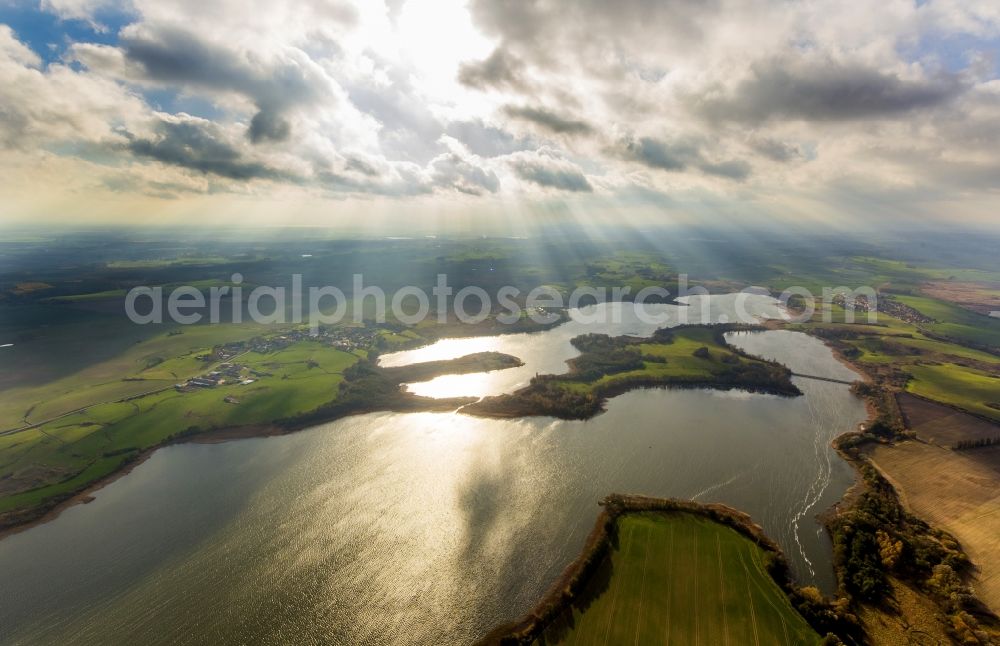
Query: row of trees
x: 544, y: 396
x: 604, y: 355
x: 559, y: 395
x: 982, y: 442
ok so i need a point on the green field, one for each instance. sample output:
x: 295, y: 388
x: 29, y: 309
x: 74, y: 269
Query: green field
x: 941, y: 370
x: 956, y: 322
x: 157, y: 362
x: 679, y: 578
x: 678, y: 359
x: 668, y: 360
x: 56, y: 458
x: 950, y: 384
x: 168, y: 262
x: 62, y: 455
x: 92, y: 296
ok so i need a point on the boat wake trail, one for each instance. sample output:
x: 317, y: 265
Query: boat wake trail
x: 720, y: 485
x: 823, y: 467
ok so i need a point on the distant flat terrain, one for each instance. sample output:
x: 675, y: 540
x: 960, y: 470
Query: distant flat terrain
x: 981, y: 297
x: 957, y: 491
x: 678, y: 578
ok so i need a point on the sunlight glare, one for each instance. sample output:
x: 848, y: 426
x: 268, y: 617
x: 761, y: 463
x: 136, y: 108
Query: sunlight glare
x: 436, y: 36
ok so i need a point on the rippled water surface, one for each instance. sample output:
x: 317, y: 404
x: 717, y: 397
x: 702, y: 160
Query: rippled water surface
x: 424, y: 528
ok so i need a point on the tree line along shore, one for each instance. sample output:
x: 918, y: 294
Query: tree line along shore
x: 690, y: 356
x: 733, y: 573
x: 298, y: 381
x: 899, y: 577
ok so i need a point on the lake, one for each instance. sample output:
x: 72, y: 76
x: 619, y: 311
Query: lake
x: 422, y: 528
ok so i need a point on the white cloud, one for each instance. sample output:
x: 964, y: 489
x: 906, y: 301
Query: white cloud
x: 53, y: 105
x: 729, y: 100
x: 82, y: 9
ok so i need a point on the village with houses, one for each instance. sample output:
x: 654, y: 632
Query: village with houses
x: 346, y: 339
x: 885, y: 304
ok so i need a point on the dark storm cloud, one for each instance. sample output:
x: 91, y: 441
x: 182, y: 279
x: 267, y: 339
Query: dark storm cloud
x: 821, y: 92
x: 548, y: 120
x: 177, y: 56
x: 548, y: 32
x: 170, y: 55
x: 679, y: 155
x: 485, y: 140
x: 735, y: 169
x: 775, y: 150
x: 500, y: 70
x: 674, y: 156
x: 538, y: 172
x: 268, y: 125
x: 361, y: 166
x: 198, y: 145
x: 451, y: 171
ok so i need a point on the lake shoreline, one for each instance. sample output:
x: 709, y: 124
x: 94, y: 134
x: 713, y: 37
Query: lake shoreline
x: 47, y: 512
x: 611, y: 366
x: 872, y: 482
x: 107, y: 510
x: 571, y: 583
x: 644, y: 384
x: 399, y: 401
x: 560, y: 595
x: 16, y: 521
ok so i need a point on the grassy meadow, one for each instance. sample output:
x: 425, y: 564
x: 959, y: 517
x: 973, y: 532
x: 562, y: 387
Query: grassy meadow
x: 678, y: 578
x: 954, y: 322
x: 157, y: 362
x: 60, y: 456
x: 969, y: 389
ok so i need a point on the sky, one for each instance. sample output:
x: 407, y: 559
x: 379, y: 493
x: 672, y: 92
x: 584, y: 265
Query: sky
x: 387, y: 114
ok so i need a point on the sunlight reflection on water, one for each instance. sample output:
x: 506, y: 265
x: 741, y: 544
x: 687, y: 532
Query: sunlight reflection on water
x: 394, y: 528
x: 547, y: 352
